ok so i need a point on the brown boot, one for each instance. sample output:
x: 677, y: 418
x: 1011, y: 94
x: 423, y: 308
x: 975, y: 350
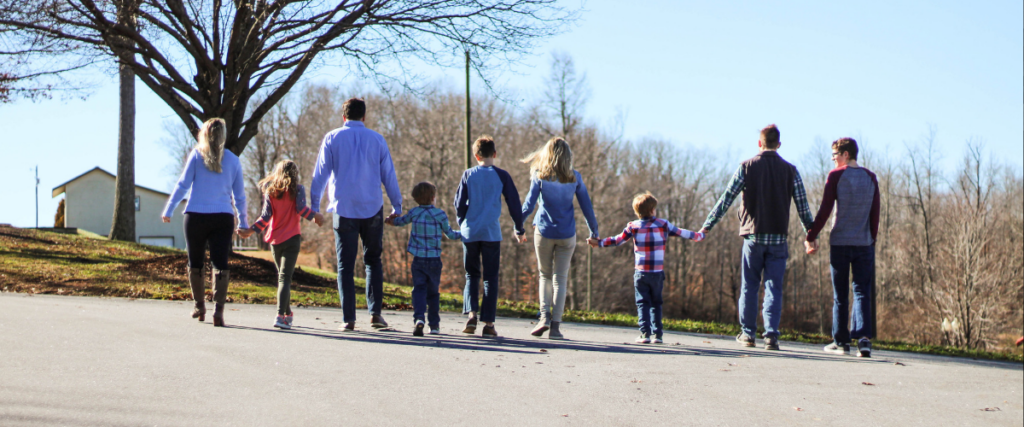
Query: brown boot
x: 196, y: 281
x: 220, y: 295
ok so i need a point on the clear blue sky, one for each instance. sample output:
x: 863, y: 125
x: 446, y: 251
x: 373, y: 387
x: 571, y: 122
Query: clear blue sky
x: 708, y: 74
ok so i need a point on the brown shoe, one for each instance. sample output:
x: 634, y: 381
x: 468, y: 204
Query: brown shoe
x: 470, y: 326
x: 218, y: 315
x: 348, y: 327
x: 220, y: 295
x: 196, y: 282
x: 490, y: 332
x: 377, y: 321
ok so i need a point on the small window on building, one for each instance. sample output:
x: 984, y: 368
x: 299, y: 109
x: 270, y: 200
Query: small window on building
x: 138, y: 204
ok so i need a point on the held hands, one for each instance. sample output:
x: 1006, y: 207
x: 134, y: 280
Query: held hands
x: 698, y: 236
x: 593, y: 242
x: 244, y: 233
x: 318, y: 219
x: 165, y: 219
x: 521, y: 238
x: 390, y: 220
x: 811, y: 247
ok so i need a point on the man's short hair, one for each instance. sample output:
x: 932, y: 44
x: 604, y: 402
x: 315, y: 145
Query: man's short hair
x: 484, y: 147
x: 845, y: 145
x: 644, y: 204
x: 424, y: 193
x: 770, y: 134
x: 354, y: 109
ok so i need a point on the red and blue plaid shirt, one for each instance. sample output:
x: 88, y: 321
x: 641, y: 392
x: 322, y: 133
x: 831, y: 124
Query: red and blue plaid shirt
x: 649, y: 236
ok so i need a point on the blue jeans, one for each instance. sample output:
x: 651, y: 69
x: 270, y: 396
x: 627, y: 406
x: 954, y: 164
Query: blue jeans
x: 648, y: 287
x: 426, y: 278
x: 347, y: 233
x: 862, y: 261
x: 769, y: 261
x: 473, y: 252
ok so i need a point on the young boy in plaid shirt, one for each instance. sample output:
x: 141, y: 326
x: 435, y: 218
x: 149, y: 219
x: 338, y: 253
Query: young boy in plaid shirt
x: 649, y: 234
x: 428, y: 224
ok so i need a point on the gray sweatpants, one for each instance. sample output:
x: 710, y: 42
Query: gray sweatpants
x: 285, y: 256
x: 553, y: 258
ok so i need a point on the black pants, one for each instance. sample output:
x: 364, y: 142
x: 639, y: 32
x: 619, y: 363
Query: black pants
x: 214, y: 229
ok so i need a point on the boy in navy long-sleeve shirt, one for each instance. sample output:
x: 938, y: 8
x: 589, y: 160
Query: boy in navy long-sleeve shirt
x: 478, y: 210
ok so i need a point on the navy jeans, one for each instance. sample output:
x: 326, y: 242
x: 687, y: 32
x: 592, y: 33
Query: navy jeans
x: 490, y: 253
x: 648, y: 287
x: 861, y: 259
x: 347, y: 233
x: 769, y: 261
x: 426, y: 278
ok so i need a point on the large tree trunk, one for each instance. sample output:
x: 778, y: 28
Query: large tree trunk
x: 123, y: 225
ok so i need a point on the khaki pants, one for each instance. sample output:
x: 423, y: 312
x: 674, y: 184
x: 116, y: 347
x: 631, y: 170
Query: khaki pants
x: 553, y: 258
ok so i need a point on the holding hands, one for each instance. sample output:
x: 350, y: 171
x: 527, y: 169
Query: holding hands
x: 318, y: 219
x: 521, y: 238
x: 244, y: 233
x: 593, y: 241
x: 811, y: 247
x: 698, y: 236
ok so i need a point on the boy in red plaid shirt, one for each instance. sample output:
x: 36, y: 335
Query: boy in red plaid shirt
x: 649, y: 234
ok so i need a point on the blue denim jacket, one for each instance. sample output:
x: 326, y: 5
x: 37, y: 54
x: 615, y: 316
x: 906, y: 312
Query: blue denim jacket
x: 556, y: 217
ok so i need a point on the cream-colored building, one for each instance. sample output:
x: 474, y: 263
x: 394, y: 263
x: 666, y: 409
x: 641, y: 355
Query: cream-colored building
x: 89, y: 205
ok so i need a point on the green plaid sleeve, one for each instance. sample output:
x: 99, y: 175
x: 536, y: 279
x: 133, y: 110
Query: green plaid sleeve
x: 734, y: 189
x: 800, y: 198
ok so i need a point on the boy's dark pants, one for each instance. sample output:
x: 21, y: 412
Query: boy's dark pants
x: 426, y: 278
x: 347, y: 233
x: 285, y: 255
x: 861, y: 259
x: 648, y: 286
x: 490, y: 252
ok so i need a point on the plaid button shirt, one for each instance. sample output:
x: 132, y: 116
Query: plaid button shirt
x: 428, y: 224
x: 736, y: 186
x: 649, y: 235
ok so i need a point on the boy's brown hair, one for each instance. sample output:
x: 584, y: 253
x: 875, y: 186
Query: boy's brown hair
x: 484, y: 147
x: 644, y: 204
x: 424, y: 193
x: 770, y: 134
x: 354, y: 109
x: 845, y: 145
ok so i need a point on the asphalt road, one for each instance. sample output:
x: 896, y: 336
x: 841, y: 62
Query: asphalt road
x: 117, y: 362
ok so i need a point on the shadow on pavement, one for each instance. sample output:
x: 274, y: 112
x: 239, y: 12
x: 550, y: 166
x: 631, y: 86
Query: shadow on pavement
x: 530, y: 346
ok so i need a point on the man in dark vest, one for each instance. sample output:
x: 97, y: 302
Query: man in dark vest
x: 768, y: 184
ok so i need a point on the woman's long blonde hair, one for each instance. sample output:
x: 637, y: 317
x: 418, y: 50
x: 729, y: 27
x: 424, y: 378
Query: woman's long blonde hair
x: 284, y: 179
x: 211, y: 143
x: 552, y: 162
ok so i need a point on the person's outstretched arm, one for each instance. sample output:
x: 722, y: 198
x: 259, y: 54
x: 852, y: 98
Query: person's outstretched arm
x: 262, y: 222
x: 515, y: 206
x: 531, y: 197
x: 876, y: 207
x: 401, y: 220
x: 586, y: 206
x: 321, y: 173
x: 803, y: 210
x: 188, y: 175
x: 627, y: 233
x: 679, y: 232
x: 442, y: 218
x: 735, y: 187
x: 390, y: 179
x: 462, y: 198
x: 238, y: 192
x: 828, y: 201
x: 300, y: 204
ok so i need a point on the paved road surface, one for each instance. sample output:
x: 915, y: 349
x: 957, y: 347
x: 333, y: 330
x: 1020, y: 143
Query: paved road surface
x: 116, y: 362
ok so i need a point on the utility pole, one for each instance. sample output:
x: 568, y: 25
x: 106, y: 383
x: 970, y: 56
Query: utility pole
x: 37, y: 196
x: 469, y: 135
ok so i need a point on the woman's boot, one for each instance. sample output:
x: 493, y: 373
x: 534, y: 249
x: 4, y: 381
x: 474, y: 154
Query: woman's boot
x: 195, y: 281
x: 220, y: 295
x: 542, y: 326
x: 555, y: 334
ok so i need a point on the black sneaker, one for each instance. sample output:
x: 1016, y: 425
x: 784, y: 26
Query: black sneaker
x: 771, y: 343
x: 377, y: 321
x: 470, y: 326
x: 864, y: 347
x: 418, y: 331
x: 746, y: 340
x: 490, y: 332
x: 348, y: 327
x: 836, y: 348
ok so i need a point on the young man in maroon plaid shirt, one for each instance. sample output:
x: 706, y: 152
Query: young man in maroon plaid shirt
x: 649, y: 234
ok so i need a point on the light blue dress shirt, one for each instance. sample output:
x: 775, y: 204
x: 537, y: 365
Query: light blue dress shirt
x: 356, y: 161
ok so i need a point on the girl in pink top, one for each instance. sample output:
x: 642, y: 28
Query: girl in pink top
x: 284, y: 202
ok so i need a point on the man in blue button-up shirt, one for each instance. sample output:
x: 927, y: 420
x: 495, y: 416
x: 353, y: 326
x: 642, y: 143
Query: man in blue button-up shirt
x: 356, y: 161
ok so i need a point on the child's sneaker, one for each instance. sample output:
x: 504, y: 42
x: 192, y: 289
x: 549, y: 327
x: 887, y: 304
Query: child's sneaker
x: 745, y: 340
x: 434, y: 330
x: 288, y: 318
x: 835, y: 348
x: 643, y: 339
x: 418, y: 331
x: 864, y: 348
x: 658, y: 340
x: 282, y: 322
x: 490, y: 332
x: 771, y: 343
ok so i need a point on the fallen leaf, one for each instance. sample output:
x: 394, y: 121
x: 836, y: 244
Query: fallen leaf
x: 992, y: 409
x: 798, y: 409
x: 724, y: 370
x: 706, y: 342
x: 543, y: 350
x: 899, y: 364
x: 565, y: 415
x: 734, y: 364
x: 867, y: 383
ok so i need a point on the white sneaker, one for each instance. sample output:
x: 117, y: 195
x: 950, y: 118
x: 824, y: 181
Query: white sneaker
x: 435, y: 331
x: 643, y: 339
x: 657, y: 340
x: 840, y: 349
x: 864, y: 348
x: 282, y: 322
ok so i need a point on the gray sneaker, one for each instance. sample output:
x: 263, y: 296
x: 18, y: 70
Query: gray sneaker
x: 282, y: 322
x: 771, y: 343
x: 554, y: 333
x: 835, y: 348
x: 864, y: 347
x: 746, y: 340
x: 377, y: 321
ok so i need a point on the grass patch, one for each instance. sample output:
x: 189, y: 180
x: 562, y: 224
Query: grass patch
x: 32, y: 261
